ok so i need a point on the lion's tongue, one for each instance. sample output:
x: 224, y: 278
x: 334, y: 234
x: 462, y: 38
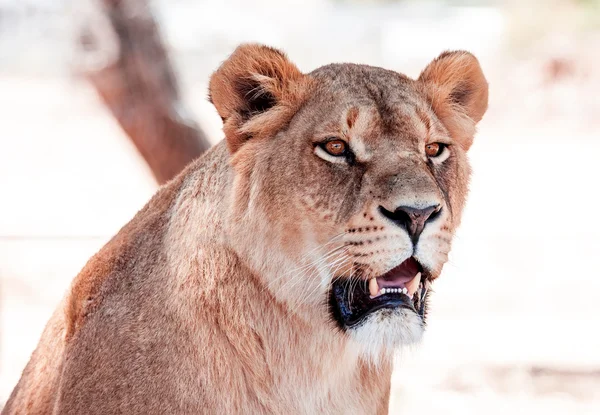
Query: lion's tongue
x: 404, y: 275
x: 400, y: 275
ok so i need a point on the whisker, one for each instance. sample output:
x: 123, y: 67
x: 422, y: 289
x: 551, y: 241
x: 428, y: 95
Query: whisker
x: 309, y: 273
x: 307, y: 267
x: 333, y: 268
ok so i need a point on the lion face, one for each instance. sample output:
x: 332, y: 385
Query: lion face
x: 349, y: 182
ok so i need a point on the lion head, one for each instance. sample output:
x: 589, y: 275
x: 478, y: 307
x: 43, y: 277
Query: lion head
x: 349, y: 183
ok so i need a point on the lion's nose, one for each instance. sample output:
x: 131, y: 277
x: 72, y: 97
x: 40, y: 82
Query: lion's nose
x: 413, y: 220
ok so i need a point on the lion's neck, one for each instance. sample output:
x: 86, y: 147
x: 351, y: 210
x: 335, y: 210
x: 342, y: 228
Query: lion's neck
x: 287, y: 364
x: 233, y: 312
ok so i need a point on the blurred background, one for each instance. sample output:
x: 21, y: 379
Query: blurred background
x: 101, y: 100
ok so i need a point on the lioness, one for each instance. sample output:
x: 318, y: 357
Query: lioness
x: 278, y: 273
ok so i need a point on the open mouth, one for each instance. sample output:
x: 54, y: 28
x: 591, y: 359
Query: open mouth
x: 352, y: 300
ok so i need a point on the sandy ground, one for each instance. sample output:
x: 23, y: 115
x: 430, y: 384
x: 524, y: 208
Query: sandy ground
x: 515, y: 320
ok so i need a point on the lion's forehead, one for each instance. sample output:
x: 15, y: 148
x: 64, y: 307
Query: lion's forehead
x: 376, y: 109
x: 364, y: 85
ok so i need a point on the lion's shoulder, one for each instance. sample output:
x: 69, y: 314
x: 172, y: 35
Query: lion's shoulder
x: 125, y: 256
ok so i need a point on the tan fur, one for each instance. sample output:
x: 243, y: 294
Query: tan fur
x: 254, y: 70
x: 213, y: 299
x: 458, y: 92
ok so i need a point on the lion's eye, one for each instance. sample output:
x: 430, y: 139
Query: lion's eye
x: 434, y: 149
x: 335, y: 148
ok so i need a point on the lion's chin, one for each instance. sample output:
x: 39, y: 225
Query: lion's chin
x: 385, y: 330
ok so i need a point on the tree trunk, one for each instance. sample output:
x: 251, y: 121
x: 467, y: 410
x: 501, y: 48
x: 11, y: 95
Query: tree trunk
x: 139, y: 87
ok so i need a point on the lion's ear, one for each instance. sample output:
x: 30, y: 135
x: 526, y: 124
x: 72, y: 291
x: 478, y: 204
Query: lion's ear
x: 458, y: 92
x: 256, y: 91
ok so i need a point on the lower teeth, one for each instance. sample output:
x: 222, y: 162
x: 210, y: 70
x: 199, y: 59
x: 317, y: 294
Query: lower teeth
x: 394, y: 291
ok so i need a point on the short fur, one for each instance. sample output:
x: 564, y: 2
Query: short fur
x: 213, y: 299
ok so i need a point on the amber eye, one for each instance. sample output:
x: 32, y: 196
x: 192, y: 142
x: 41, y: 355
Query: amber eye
x: 335, y: 147
x: 434, y: 149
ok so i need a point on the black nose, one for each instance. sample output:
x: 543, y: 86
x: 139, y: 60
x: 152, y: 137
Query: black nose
x: 412, y: 219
